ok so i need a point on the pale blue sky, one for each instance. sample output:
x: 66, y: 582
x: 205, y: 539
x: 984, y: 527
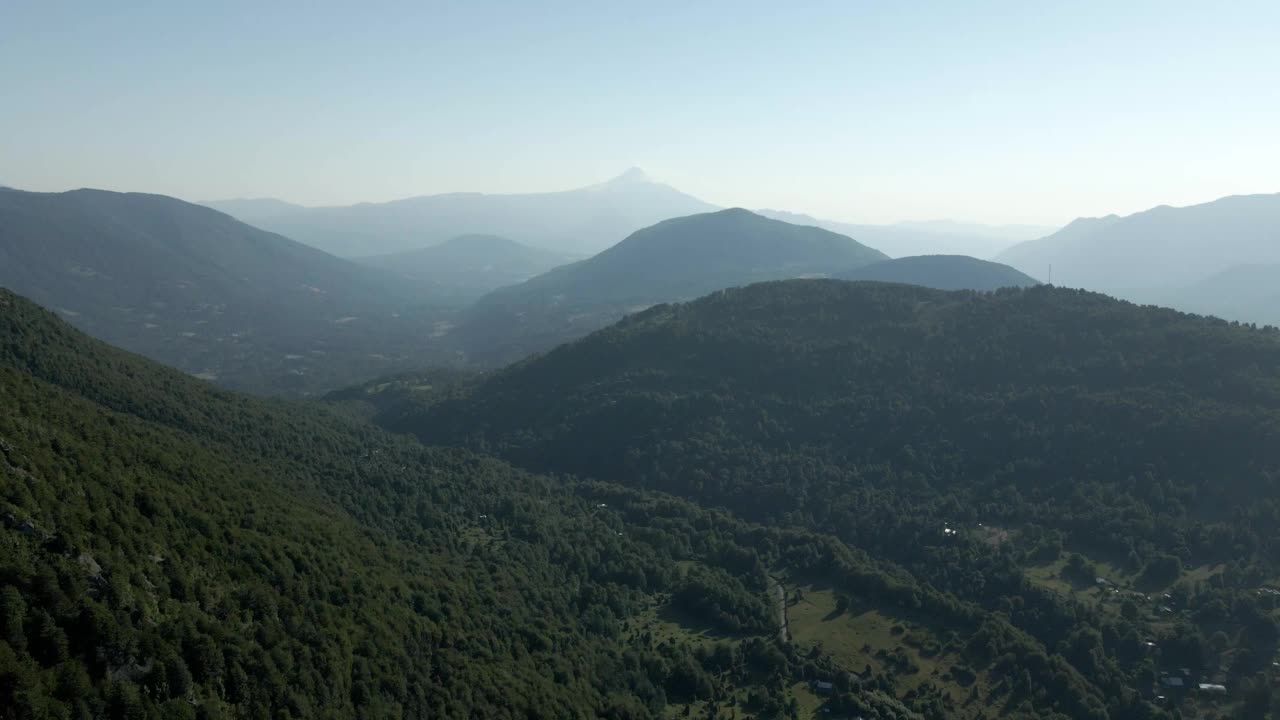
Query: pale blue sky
x: 986, y: 111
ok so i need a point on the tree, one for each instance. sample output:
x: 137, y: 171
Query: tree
x: 1162, y: 570
x: 1129, y: 609
x: 13, y: 611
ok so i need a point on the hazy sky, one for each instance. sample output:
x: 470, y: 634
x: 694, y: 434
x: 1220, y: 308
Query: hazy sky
x: 997, y: 112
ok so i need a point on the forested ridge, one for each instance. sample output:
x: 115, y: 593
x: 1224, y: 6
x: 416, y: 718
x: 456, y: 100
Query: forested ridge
x: 1045, y: 404
x: 203, y: 292
x: 677, y: 259
x: 172, y: 550
x: 981, y: 440
x: 943, y: 272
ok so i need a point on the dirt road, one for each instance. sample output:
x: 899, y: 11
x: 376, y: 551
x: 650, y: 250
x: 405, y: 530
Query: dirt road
x: 780, y: 593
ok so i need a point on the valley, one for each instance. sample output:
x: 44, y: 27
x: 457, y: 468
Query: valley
x: 351, y: 367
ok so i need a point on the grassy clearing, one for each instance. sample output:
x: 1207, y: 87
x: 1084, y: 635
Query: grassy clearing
x: 1203, y: 573
x: 810, y: 704
x: 1121, y: 585
x: 885, y: 639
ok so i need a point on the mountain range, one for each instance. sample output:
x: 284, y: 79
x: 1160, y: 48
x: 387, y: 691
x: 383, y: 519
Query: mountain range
x: 578, y: 222
x: 677, y: 259
x: 199, y: 290
x: 573, y: 222
x: 939, y: 237
x: 466, y: 267
x: 1170, y: 255
x: 203, y: 292
x: 795, y: 498
x: 1249, y: 293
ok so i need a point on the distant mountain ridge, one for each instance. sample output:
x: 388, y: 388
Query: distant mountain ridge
x: 201, y: 291
x: 690, y: 256
x: 1015, y: 232
x: 252, y: 207
x: 577, y: 222
x: 464, y: 268
x: 1218, y: 258
x: 677, y: 259
x: 934, y: 237
x: 1248, y: 293
x: 1164, y: 247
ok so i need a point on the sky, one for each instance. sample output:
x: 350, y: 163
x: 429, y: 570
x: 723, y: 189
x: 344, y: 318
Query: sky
x: 998, y: 112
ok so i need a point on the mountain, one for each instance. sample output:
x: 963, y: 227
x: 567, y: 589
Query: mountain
x: 1075, y: 463
x: 829, y: 361
x: 942, y: 272
x: 1250, y: 293
x: 169, y: 550
x: 576, y: 222
x: 201, y: 291
x: 253, y: 207
x: 676, y: 259
x: 1156, y: 250
x: 468, y: 266
x: 690, y: 256
x: 1012, y: 233
x: 573, y: 222
x: 936, y: 237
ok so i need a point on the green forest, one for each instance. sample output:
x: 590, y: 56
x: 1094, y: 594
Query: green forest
x: 794, y: 500
x: 346, y: 374
x: 1054, y: 456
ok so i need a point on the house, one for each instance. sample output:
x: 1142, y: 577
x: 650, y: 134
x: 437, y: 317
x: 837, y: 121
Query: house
x: 1172, y: 682
x: 823, y: 686
x: 1213, y: 689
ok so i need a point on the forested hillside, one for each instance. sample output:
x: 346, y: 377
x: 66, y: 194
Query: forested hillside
x: 942, y: 272
x: 200, y: 291
x: 938, y: 397
x: 1036, y: 424
x: 677, y: 259
x: 173, y: 551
